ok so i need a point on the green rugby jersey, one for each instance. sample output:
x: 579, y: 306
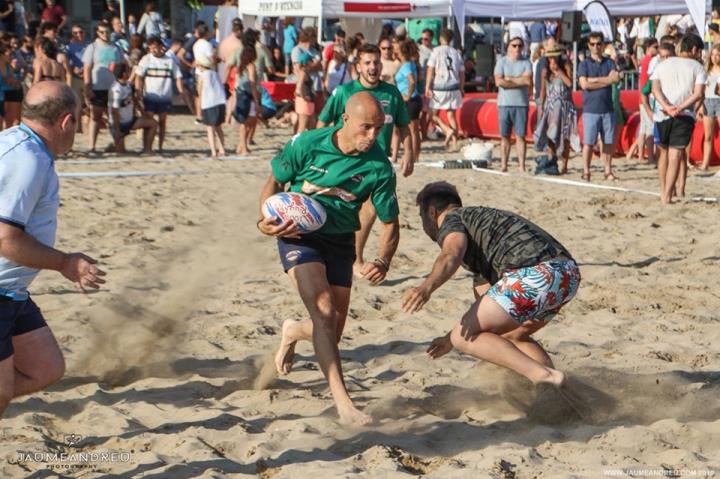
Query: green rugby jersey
x: 313, y: 165
x: 388, y: 95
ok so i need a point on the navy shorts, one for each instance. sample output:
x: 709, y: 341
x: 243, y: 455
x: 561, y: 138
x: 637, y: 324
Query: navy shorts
x: 155, y: 105
x: 16, y: 318
x: 100, y: 98
x: 214, y: 116
x: 336, y: 252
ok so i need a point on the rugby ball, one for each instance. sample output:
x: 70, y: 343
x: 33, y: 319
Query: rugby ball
x: 306, y: 212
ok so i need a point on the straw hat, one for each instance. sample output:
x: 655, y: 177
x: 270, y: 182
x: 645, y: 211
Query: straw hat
x: 553, y: 51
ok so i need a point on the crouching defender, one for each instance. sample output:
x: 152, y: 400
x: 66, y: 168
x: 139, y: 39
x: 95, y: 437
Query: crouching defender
x: 523, y: 276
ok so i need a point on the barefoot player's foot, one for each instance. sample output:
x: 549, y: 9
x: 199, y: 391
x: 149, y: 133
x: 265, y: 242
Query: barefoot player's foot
x: 286, y: 353
x: 353, y: 417
x: 553, y: 377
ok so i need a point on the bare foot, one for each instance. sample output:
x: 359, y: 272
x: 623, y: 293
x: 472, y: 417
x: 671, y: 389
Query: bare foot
x: 553, y: 377
x: 286, y: 353
x: 221, y: 153
x: 353, y: 417
x: 242, y: 151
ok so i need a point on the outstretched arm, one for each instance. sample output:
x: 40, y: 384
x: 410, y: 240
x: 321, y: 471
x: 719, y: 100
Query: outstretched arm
x: 21, y: 248
x: 446, y: 264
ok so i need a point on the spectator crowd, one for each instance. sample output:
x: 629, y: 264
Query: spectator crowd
x: 130, y: 73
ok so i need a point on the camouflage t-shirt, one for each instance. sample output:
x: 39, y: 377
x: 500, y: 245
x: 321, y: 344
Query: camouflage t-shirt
x: 499, y: 241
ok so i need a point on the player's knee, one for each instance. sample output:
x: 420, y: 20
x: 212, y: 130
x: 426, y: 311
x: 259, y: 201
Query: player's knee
x: 51, y: 372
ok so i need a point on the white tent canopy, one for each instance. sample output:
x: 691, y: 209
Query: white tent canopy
x: 542, y: 9
x: 340, y: 8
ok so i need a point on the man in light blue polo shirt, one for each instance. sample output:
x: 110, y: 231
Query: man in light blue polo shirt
x: 597, y: 75
x: 30, y: 358
x: 513, y: 76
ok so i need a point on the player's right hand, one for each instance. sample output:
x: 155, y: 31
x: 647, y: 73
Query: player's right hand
x: 83, y: 271
x: 286, y: 229
x: 414, y: 299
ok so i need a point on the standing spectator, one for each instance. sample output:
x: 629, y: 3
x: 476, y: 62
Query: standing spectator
x: 390, y: 64
x: 339, y: 69
x: 204, y: 52
x: 338, y: 39
x: 597, y: 75
x: 290, y: 38
x: 187, y: 95
x: 551, y: 28
x: 247, y: 97
x: 45, y: 66
x: 7, y: 16
x: 645, y: 133
x: 558, y: 127
x: 229, y: 46
x: 98, y: 60
x: 132, y: 25
x: 537, y: 36
x: 307, y: 103
x: 513, y: 76
x: 642, y: 29
x: 444, y: 85
x: 75, y: 51
x: 212, y: 106
x: 118, y: 36
x: 111, y: 10
x: 517, y: 29
x: 678, y: 85
x: 21, y: 21
x: 55, y: 14
x: 714, y: 32
x: 278, y: 61
x: 407, y: 83
x: 154, y: 83
x: 151, y: 22
x: 121, y: 112
x: 13, y: 88
x: 424, y: 52
x: 711, y: 107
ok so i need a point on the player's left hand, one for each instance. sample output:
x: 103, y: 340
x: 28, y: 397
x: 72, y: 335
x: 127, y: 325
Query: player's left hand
x: 407, y: 165
x: 440, y: 346
x: 374, y: 271
x: 414, y: 299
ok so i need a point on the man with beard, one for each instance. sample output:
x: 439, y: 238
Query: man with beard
x: 369, y: 67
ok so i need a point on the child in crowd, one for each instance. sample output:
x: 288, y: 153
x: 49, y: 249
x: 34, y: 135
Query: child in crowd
x: 122, y: 112
x: 212, y: 105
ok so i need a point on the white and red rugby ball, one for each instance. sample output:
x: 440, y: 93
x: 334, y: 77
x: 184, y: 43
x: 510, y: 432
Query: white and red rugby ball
x: 307, y: 213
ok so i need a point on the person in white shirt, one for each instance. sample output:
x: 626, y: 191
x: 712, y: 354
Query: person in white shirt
x: 151, y: 22
x: 203, y: 52
x: 121, y: 111
x: 678, y: 85
x: 212, y: 106
x: 444, y: 84
x: 154, y: 77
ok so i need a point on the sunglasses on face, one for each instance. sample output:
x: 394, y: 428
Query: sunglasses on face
x: 594, y: 44
x: 515, y: 45
x: 385, y: 48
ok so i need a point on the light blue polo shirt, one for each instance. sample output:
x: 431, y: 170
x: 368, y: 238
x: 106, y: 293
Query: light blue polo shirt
x: 29, y: 200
